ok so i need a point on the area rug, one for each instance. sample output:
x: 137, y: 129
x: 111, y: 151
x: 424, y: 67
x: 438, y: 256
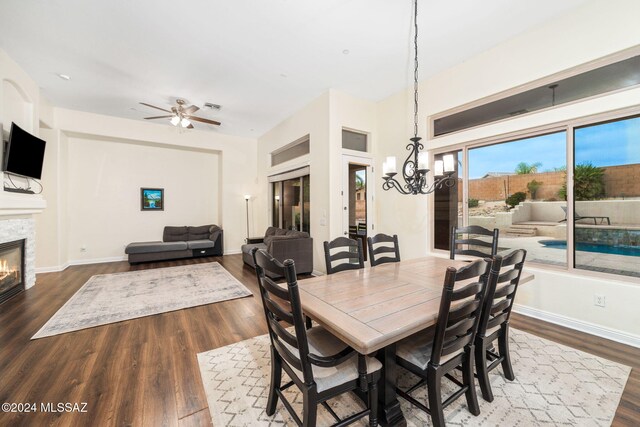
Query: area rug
x: 110, y: 298
x: 554, y: 385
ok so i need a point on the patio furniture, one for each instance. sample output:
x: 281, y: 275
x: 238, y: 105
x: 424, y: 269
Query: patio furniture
x: 494, y: 321
x: 378, y: 250
x: 318, y: 363
x: 464, y: 241
x: 578, y: 217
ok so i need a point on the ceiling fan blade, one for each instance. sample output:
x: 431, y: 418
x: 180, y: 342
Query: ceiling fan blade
x: 200, y: 119
x: 158, y: 117
x: 190, y: 126
x: 190, y: 110
x: 153, y: 106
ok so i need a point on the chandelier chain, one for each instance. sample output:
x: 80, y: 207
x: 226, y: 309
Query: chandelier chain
x: 415, y: 70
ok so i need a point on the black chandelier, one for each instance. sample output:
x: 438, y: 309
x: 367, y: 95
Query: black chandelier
x: 415, y: 169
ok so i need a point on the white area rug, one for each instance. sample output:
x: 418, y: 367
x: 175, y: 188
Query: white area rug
x: 554, y: 385
x: 110, y: 298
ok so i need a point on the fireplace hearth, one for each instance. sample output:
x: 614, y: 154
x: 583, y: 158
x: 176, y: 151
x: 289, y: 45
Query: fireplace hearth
x: 11, y: 269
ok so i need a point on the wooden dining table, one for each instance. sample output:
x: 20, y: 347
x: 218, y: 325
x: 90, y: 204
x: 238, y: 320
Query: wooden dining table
x: 371, y: 309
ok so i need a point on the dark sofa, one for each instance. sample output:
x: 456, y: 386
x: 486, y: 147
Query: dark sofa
x: 283, y: 244
x: 179, y: 242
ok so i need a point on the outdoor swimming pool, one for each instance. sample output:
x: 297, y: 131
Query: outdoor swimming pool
x: 594, y: 247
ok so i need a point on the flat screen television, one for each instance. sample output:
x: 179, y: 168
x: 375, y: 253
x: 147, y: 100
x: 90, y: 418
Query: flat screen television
x: 24, y: 154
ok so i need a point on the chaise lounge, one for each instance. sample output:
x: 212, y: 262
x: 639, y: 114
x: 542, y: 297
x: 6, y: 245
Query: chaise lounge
x: 178, y: 242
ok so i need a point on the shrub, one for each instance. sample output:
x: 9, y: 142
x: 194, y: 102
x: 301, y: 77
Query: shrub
x: 588, y: 183
x: 473, y: 203
x: 533, y: 187
x: 514, y: 199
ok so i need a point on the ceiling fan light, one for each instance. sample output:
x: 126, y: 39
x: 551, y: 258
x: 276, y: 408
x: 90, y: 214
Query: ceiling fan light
x: 185, y: 122
x: 175, y: 120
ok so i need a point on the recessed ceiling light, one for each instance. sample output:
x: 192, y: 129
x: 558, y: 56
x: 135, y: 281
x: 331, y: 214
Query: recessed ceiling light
x: 345, y: 52
x: 64, y: 76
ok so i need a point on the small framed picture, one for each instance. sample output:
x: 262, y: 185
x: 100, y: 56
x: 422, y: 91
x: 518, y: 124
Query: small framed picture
x: 152, y: 199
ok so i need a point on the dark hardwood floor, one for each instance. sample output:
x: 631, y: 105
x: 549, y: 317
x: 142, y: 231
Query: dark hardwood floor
x: 144, y: 372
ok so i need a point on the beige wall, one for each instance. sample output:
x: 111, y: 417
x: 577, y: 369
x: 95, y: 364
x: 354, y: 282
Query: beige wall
x: 595, y: 30
x: 104, y: 181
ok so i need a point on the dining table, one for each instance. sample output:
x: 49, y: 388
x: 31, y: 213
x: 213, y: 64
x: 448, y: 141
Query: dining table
x: 373, y: 308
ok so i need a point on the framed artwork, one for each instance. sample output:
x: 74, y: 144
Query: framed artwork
x: 152, y: 199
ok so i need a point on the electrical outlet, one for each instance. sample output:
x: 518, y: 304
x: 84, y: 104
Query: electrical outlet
x: 599, y: 300
x: 83, y: 249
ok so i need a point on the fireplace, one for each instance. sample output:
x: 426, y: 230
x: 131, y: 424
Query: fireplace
x: 11, y: 269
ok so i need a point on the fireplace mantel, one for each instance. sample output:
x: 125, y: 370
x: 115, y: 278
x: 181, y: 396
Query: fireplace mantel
x: 12, y: 204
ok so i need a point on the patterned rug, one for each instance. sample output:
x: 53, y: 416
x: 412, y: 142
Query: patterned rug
x: 110, y: 298
x: 554, y: 385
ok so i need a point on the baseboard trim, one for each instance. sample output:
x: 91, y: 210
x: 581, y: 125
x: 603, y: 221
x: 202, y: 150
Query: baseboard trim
x: 579, y: 325
x: 97, y: 260
x: 317, y: 273
x: 52, y: 269
x: 233, y: 252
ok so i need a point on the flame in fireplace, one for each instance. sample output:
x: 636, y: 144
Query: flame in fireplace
x: 5, y: 270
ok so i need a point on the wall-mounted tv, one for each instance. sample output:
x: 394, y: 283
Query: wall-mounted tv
x: 24, y: 154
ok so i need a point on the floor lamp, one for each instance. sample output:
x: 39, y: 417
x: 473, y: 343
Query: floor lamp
x: 246, y: 199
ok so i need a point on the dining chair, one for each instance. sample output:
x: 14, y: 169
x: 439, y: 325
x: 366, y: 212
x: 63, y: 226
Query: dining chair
x: 318, y: 363
x: 433, y: 353
x: 378, y: 249
x: 347, y: 249
x: 466, y: 237
x: 494, y: 320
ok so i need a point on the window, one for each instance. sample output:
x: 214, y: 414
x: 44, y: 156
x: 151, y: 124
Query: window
x: 292, y: 151
x: 291, y: 205
x: 607, y: 78
x: 520, y: 186
x: 606, y: 193
x: 354, y: 140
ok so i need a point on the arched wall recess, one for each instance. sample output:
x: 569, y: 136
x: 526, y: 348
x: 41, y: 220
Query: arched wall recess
x: 17, y: 107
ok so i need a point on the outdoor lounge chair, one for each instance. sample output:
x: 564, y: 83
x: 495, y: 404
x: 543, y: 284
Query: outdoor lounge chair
x: 578, y: 217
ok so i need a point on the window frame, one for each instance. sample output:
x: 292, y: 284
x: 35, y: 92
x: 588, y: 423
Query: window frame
x: 567, y: 126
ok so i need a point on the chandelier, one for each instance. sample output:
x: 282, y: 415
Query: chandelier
x: 415, y: 169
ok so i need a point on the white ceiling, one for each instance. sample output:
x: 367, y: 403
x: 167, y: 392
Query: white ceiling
x: 261, y: 60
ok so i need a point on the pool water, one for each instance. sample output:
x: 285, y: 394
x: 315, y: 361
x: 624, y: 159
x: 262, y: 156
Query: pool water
x: 594, y: 247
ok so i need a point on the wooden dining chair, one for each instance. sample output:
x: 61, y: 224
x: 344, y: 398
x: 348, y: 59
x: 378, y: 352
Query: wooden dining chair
x: 379, y: 248
x: 347, y: 257
x: 494, y: 320
x: 318, y: 363
x: 433, y: 353
x: 464, y: 242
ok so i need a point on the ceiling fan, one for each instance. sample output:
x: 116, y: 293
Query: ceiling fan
x: 181, y: 115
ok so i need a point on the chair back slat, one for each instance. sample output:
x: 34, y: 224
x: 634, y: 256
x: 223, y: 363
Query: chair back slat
x: 463, y: 242
x: 376, y: 246
x: 475, y: 242
x: 457, y: 344
x: 496, y: 321
x: 351, y: 250
x: 278, y: 311
x: 467, y: 291
x: 274, y: 289
x: 504, y: 291
x: 288, y: 309
x: 500, y: 306
x: 459, y: 329
x: 288, y: 356
x: 282, y: 333
x: 501, y: 290
x: 462, y: 311
x: 456, y: 328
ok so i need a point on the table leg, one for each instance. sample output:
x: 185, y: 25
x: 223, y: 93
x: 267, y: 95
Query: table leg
x: 389, y: 412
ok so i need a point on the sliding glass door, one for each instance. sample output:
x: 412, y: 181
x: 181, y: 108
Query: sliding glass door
x: 291, y: 205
